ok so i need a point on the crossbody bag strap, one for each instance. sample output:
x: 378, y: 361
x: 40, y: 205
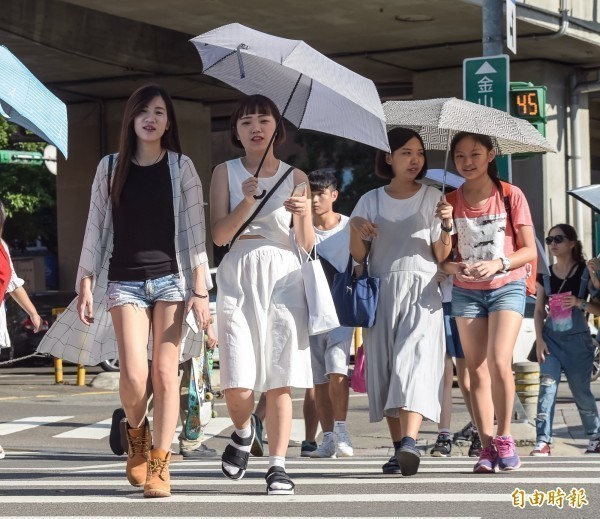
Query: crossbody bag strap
x: 509, y: 216
x: 260, y: 206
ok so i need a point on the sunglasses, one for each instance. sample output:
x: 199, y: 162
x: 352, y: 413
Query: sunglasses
x: 559, y: 238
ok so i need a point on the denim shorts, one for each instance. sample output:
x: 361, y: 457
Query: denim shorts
x: 480, y: 303
x: 453, y: 345
x: 145, y: 294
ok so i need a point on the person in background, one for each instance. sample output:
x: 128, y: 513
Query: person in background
x: 443, y: 444
x: 261, y: 307
x: 488, y: 298
x: 404, y: 229
x: 12, y: 284
x: 563, y: 339
x: 330, y: 351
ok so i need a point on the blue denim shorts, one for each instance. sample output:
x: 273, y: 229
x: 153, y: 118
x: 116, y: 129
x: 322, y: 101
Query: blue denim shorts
x: 480, y: 303
x: 145, y: 294
x: 453, y: 345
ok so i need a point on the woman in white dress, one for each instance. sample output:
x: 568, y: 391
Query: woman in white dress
x: 404, y: 229
x: 261, y: 306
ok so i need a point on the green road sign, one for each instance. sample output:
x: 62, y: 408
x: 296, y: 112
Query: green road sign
x: 32, y: 158
x: 486, y: 82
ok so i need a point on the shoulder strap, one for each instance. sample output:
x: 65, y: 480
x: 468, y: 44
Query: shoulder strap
x: 508, y: 209
x: 547, y: 287
x: 260, y: 206
x: 585, y: 277
x: 111, y: 159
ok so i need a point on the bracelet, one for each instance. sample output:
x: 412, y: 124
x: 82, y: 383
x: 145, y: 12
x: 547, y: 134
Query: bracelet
x: 195, y: 294
x: 446, y: 229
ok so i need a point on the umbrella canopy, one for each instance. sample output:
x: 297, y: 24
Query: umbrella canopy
x: 28, y: 103
x: 589, y: 195
x: 437, y: 120
x: 437, y: 176
x: 327, y: 97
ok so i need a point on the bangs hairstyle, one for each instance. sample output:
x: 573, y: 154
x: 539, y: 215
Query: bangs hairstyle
x: 128, y: 140
x: 255, y: 104
x: 321, y: 179
x: 397, y: 138
x: 488, y: 143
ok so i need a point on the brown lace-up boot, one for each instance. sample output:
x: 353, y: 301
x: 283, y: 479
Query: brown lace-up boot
x: 138, y: 441
x: 158, y: 481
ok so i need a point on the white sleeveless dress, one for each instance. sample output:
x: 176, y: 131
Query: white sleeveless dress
x: 261, y: 306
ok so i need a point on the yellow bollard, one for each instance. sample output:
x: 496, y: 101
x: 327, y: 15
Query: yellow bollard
x: 80, y: 375
x: 58, y: 371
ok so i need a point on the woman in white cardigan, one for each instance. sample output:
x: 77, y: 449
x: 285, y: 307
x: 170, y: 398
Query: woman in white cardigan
x: 143, y: 256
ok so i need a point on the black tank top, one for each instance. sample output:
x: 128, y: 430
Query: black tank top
x: 144, y: 226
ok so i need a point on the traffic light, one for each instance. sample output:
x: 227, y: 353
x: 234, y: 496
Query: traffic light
x: 528, y: 102
x: 31, y: 158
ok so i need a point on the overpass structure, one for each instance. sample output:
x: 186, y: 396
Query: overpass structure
x: 94, y: 53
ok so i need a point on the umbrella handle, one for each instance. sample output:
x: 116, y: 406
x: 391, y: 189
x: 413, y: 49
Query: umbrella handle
x: 261, y: 196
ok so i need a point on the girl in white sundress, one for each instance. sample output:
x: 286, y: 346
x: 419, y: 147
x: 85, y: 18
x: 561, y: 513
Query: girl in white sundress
x: 261, y: 306
x: 404, y: 228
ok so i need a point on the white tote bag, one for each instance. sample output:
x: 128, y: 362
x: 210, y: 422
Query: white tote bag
x: 322, y: 316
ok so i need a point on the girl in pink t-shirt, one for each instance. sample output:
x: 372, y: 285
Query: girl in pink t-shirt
x: 488, y: 299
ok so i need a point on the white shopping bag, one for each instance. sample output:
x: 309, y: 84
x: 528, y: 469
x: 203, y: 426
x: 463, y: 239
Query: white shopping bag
x: 322, y: 316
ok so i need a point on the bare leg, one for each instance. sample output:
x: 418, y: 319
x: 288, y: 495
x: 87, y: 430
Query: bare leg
x: 473, y: 336
x: 324, y: 407
x: 166, y: 328
x: 503, y: 330
x: 240, y: 403
x: 279, y: 420
x: 132, y: 328
x: 339, y: 393
x: 261, y: 407
x: 394, y: 427
x: 464, y: 383
x: 410, y: 423
x: 446, y: 413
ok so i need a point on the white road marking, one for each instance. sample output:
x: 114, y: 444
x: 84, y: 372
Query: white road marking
x: 95, y: 431
x: 30, y: 422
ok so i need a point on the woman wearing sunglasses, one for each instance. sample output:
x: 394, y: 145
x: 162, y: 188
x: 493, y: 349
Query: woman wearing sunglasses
x: 563, y: 340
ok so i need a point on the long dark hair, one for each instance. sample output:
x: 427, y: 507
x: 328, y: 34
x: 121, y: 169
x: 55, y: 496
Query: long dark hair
x: 397, y: 138
x: 571, y: 235
x: 487, y: 143
x: 128, y: 140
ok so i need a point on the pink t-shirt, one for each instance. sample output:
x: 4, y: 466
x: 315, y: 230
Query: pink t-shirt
x: 485, y: 233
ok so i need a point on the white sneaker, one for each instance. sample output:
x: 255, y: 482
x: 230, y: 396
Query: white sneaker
x: 326, y: 449
x: 593, y: 447
x: 343, y: 445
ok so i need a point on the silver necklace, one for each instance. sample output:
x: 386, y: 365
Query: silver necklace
x: 157, y: 158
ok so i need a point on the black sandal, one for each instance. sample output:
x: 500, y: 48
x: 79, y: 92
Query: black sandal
x: 278, y: 475
x: 236, y: 457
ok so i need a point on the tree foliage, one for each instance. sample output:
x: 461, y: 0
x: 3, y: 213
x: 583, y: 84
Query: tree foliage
x: 28, y: 194
x: 353, y: 163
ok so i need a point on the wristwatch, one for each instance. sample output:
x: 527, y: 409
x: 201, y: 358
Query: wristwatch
x: 505, y: 264
x: 448, y: 229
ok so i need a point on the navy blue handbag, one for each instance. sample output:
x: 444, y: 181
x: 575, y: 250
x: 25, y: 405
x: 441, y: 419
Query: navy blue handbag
x: 355, y: 298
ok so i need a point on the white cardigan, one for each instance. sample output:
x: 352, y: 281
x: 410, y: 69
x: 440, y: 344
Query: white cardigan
x: 69, y: 338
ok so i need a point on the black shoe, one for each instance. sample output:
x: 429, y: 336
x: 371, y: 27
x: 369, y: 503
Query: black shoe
x: 442, y: 447
x: 464, y: 435
x: 409, y: 459
x: 115, y: 440
x: 475, y: 448
x: 201, y: 452
x: 391, y: 466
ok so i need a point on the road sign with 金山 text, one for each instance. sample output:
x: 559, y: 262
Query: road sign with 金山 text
x: 486, y: 82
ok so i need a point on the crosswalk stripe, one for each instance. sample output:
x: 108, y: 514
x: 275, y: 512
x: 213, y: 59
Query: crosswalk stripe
x: 95, y: 431
x: 22, y: 424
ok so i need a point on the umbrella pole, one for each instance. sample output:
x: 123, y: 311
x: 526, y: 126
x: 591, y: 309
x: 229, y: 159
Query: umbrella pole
x: 445, y: 168
x: 279, y: 123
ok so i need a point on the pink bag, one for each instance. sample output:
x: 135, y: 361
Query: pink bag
x: 358, y: 382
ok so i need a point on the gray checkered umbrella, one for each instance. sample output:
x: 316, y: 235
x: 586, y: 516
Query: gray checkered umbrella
x: 438, y: 120
x: 310, y: 90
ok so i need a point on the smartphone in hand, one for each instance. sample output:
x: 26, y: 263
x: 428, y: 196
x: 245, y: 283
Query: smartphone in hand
x: 299, y: 189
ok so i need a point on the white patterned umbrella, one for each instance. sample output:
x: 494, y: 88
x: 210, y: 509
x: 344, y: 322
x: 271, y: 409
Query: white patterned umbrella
x: 310, y: 90
x: 25, y: 101
x: 438, y: 120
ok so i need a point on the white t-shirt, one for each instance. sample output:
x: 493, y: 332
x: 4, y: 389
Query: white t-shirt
x: 395, y: 210
x: 334, y: 245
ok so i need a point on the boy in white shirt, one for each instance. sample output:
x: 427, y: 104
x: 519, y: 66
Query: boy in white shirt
x: 330, y: 351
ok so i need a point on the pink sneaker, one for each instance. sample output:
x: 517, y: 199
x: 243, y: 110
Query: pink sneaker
x: 487, y: 461
x: 508, y: 459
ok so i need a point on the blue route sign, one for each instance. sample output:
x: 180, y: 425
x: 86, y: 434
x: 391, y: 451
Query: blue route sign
x: 486, y: 82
